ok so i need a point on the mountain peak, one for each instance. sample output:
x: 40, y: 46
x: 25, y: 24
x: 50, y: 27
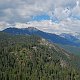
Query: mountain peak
x: 32, y: 29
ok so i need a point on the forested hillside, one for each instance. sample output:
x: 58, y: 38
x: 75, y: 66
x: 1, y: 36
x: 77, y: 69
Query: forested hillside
x: 34, y: 58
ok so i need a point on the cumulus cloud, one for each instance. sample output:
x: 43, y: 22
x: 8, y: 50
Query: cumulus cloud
x: 19, y: 12
x: 76, y: 11
x: 65, y: 26
x: 4, y: 25
x: 71, y: 24
x: 61, y: 13
x: 48, y: 26
x: 26, y: 8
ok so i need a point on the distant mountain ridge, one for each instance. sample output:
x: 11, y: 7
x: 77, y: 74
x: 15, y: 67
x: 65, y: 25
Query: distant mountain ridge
x: 69, y: 37
x: 34, y: 31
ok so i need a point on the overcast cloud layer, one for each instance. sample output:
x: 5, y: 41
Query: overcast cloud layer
x: 64, y: 14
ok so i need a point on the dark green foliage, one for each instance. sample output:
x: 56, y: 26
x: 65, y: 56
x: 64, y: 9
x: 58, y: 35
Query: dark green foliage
x: 33, y: 58
x: 72, y: 49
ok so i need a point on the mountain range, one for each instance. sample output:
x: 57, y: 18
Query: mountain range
x: 69, y: 37
x: 64, y: 39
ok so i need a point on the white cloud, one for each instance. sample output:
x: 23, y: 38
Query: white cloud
x: 47, y: 26
x: 21, y: 11
x: 73, y: 25
x: 65, y: 26
x: 76, y: 10
x: 61, y: 13
x: 4, y: 25
x: 27, y: 8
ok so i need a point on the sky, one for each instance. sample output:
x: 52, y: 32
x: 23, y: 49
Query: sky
x: 54, y: 16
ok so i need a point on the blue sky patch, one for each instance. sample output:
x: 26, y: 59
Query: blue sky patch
x: 41, y: 17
